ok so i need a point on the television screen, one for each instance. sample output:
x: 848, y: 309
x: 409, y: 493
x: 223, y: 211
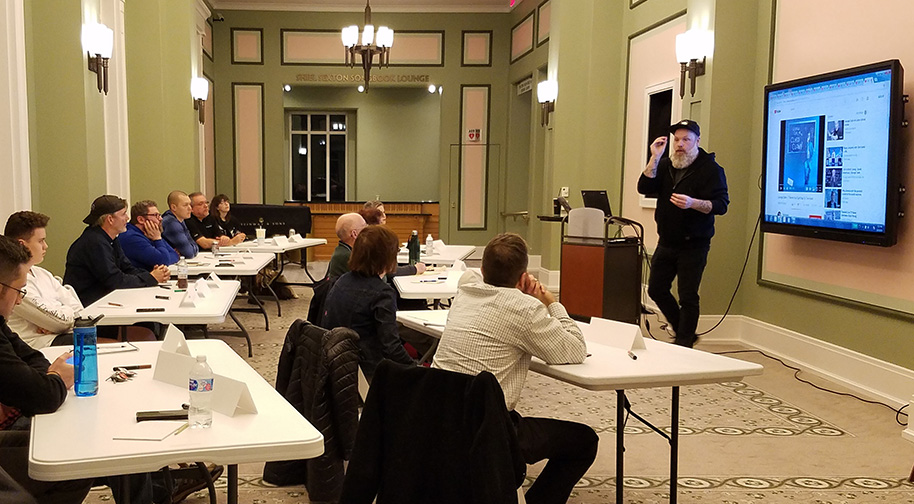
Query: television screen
x: 830, y: 164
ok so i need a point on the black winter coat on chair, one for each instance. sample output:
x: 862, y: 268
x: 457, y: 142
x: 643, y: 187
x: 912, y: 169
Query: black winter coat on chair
x: 318, y: 375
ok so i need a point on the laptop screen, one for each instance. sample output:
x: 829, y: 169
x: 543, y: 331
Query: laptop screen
x: 597, y: 199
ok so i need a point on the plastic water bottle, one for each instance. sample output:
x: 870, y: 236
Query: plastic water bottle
x: 85, y: 358
x: 215, y: 248
x: 413, y: 247
x: 429, y: 245
x: 200, y: 384
x: 182, y: 273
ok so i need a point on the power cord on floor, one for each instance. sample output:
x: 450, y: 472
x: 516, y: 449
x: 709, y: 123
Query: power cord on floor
x: 740, y: 280
x: 796, y: 375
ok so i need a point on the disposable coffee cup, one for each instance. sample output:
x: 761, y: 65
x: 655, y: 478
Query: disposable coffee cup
x: 261, y: 236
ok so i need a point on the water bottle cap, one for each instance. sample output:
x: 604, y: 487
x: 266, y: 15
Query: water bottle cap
x: 201, y: 358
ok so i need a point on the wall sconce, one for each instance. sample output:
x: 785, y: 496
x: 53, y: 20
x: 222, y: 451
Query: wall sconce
x: 98, y: 41
x: 199, y: 89
x: 692, y: 46
x: 546, y: 93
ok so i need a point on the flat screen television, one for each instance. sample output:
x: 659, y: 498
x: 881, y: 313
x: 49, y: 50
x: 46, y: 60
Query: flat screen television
x: 831, y: 160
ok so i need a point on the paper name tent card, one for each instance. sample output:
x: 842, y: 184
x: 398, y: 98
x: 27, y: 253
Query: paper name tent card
x: 281, y: 241
x: 173, y: 366
x: 174, y: 341
x: 190, y: 298
x: 214, y: 280
x: 202, y: 288
x: 614, y: 333
x: 295, y: 238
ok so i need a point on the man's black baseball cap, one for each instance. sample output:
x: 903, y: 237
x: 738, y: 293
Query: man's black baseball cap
x: 687, y: 124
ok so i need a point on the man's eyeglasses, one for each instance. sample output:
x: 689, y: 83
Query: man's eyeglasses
x: 153, y: 215
x: 20, y: 291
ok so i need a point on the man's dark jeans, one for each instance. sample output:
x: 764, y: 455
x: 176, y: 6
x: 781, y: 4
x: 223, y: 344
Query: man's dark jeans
x: 687, y: 264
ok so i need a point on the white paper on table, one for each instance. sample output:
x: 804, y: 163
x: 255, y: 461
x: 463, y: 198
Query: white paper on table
x: 614, y: 333
x: 214, y: 280
x: 459, y: 266
x: 174, y: 341
x: 147, y: 431
x: 202, y: 288
x: 438, y: 245
x: 434, y: 318
x: 190, y: 298
x: 281, y: 241
x: 231, y: 396
x: 295, y: 238
x: 173, y: 368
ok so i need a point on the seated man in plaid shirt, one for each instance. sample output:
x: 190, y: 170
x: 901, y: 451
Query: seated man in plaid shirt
x: 497, y: 323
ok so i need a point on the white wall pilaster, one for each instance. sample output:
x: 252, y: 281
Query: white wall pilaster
x: 15, y: 179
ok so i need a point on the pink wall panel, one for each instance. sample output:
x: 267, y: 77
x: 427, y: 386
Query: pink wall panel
x: 312, y: 47
x: 545, y: 14
x: 476, y: 49
x: 473, y: 157
x: 249, y: 142
x: 522, y: 38
x: 652, y: 62
x: 247, y: 46
x: 416, y: 49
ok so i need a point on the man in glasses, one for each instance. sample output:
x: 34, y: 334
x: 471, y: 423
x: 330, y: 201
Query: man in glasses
x: 29, y: 385
x: 47, y: 312
x: 142, y: 242
x: 96, y: 264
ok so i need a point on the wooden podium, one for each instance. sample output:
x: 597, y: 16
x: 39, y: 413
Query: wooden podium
x: 601, y: 277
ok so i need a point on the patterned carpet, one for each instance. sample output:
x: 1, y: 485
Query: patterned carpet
x: 769, y: 439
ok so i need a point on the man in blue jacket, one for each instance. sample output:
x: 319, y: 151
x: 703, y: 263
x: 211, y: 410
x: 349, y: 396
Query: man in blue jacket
x: 142, y: 242
x: 174, y: 229
x: 691, y: 189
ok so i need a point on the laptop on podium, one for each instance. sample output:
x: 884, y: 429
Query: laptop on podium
x: 597, y: 199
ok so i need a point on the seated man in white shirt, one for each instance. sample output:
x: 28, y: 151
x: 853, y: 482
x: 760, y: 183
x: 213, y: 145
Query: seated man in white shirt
x: 45, y: 316
x: 497, y: 323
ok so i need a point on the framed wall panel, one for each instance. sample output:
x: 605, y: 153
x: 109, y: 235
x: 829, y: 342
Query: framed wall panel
x: 544, y: 21
x: 247, y: 46
x: 476, y: 49
x: 208, y: 40
x: 474, y: 157
x: 247, y: 118
x: 312, y: 47
x: 417, y: 48
x: 522, y: 38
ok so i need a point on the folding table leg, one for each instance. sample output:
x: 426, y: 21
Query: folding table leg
x: 620, y: 445
x: 674, y: 445
x: 233, y: 484
x: 243, y: 332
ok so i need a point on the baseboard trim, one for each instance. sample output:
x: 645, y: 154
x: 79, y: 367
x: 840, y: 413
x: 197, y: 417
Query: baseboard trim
x: 862, y: 374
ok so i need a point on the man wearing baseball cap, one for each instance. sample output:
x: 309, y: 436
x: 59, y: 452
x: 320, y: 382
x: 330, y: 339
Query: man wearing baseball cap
x: 96, y: 264
x: 691, y: 189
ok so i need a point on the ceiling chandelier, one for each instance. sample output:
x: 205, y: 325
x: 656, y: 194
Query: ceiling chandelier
x: 371, y: 43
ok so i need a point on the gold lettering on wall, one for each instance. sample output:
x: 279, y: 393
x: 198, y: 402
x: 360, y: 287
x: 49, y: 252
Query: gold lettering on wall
x: 360, y: 78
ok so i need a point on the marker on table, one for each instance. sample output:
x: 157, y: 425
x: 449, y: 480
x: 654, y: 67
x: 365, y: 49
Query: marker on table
x: 130, y: 368
x: 632, y: 355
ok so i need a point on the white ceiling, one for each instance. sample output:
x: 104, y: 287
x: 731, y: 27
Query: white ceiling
x: 376, y: 5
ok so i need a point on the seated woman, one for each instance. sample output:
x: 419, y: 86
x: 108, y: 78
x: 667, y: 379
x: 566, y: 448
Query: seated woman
x: 373, y: 213
x: 220, y: 209
x: 364, y: 302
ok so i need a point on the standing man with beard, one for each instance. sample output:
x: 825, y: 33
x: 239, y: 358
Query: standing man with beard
x: 691, y: 189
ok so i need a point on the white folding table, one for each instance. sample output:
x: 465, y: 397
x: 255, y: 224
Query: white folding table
x: 432, y: 285
x: 235, y: 265
x: 609, y: 368
x: 444, y: 255
x: 279, y: 250
x: 77, y: 441
x: 129, y: 306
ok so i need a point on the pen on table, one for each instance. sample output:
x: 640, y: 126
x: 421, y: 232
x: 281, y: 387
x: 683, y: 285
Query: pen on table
x: 429, y: 280
x: 166, y: 286
x: 130, y: 368
x: 162, y: 297
x: 115, y: 304
x: 433, y: 324
x: 632, y: 355
x: 182, y: 428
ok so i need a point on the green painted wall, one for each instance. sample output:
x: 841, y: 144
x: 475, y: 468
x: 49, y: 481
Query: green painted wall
x: 410, y: 121
x: 66, y: 139
x: 451, y: 76
x: 162, y: 121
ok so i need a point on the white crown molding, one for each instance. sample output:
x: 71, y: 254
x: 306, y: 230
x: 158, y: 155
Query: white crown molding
x: 425, y: 9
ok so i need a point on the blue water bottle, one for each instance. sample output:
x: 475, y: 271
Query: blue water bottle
x: 85, y: 357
